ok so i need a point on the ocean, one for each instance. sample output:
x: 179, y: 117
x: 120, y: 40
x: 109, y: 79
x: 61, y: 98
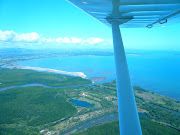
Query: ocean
x: 157, y: 72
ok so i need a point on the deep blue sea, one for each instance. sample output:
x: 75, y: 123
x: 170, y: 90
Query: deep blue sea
x: 157, y: 72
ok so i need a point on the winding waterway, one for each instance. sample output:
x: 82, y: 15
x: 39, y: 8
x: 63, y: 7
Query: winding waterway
x: 43, y: 85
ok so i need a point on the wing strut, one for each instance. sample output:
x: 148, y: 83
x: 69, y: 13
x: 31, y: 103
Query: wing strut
x: 128, y: 115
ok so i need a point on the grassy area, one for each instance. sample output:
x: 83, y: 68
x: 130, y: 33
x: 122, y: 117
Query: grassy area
x: 11, y: 77
x: 148, y: 128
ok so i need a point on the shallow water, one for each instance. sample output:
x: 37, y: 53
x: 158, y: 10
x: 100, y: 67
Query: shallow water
x: 159, y: 73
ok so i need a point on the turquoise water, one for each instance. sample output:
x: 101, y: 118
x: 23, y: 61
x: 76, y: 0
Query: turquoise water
x: 159, y: 73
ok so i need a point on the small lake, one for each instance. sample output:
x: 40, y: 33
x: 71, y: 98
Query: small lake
x: 80, y: 103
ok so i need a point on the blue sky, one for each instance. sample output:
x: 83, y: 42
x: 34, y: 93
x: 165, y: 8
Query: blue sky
x: 58, y: 24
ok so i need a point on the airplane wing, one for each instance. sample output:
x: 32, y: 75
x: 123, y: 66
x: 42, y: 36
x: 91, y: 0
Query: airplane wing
x: 142, y: 13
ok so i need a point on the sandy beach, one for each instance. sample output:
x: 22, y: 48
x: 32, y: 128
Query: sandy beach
x: 80, y: 74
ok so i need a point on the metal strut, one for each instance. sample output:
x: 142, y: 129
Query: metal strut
x: 128, y: 115
x: 129, y: 123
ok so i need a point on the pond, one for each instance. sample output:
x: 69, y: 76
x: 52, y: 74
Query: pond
x: 80, y: 103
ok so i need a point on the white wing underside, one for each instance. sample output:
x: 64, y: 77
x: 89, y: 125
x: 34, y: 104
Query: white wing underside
x: 143, y: 13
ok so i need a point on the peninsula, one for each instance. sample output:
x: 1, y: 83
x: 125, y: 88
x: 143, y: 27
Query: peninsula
x: 80, y: 74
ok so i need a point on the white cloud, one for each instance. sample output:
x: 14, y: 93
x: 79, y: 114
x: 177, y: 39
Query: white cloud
x: 12, y: 38
x: 76, y: 40
x: 66, y: 40
x: 93, y: 40
x: 47, y: 40
x: 27, y: 37
x: 7, y: 35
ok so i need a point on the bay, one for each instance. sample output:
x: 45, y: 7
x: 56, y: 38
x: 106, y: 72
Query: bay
x: 157, y: 72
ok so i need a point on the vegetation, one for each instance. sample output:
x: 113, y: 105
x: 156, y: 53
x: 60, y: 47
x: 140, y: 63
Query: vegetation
x: 16, y: 131
x: 162, y: 115
x: 148, y: 128
x: 156, y: 99
x: 28, y: 110
x: 159, y: 108
x: 34, y: 106
x: 11, y: 77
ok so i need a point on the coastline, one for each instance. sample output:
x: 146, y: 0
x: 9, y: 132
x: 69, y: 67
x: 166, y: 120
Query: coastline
x: 140, y: 76
x: 79, y: 74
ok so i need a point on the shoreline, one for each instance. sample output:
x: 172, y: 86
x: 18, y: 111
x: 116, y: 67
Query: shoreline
x: 79, y: 74
x: 95, y: 80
